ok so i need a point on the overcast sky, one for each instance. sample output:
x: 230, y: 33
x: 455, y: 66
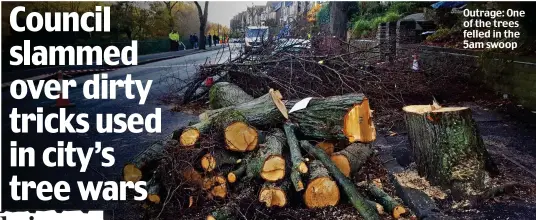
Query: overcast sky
x: 222, y: 12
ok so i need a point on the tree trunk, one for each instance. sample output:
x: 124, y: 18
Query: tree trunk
x: 356, y: 199
x: 298, y: 163
x: 224, y: 94
x: 260, y: 112
x: 338, y: 18
x: 203, y: 14
x: 234, y: 175
x: 346, y: 117
x: 144, y: 163
x: 351, y: 158
x: 269, y: 162
x: 321, y: 190
x: 447, y: 147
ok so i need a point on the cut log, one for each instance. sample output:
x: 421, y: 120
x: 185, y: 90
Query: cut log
x: 223, y: 213
x: 153, y: 190
x: 327, y: 146
x: 347, y: 117
x: 239, y: 136
x: 217, y: 158
x: 447, y: 148
x: 269, y: 162
x: 216, y: 186
x: 390, y: 205
x: 321, y: 190
x: 234, y: 175
x: 352, y: 158
x: 349, y: 188
x: 274, y: 194
x: 298, y: 163
x: 144, y: 162
x: 192, y: 177
x: 224, y: 94
x: 379, y: 208
x: 266, y: 110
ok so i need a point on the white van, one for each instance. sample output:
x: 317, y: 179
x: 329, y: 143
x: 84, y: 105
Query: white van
x: 256, y: 37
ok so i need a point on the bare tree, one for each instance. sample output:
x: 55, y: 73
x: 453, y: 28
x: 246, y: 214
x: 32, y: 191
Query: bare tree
x: 169, y: 7
x: 203, y: 14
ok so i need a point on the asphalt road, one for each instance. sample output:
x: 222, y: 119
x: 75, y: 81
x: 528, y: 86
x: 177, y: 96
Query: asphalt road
x: 126, y: 145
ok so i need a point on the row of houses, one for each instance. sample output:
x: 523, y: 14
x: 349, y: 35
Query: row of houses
x: 272, y: 14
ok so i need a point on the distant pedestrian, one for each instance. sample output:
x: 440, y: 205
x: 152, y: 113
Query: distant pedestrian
x: 196, y: 41
x: 192, y: 42
x: 216, y: 39
x: 209, y: 40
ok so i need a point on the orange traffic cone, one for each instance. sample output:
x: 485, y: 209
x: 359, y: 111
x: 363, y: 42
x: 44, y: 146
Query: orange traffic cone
x: 61, y: 102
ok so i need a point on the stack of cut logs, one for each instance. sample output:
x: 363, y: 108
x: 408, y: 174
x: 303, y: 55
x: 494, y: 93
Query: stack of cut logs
x: 288, y: 151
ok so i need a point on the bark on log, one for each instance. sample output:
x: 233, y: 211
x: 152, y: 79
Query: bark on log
x: 347, y: 117
x: 269, y: 162
x: 356, y: 199
x: 144, y: 162
x: 275, y: 194
x: 389, y: 204
x: 298, y: 163
x: 217, y: 158
x: 234, y: 175
x: 447, y: 148
x: 224, y: 94
x: 153, y: 190
x: 352, y: 158
x: 321, y: 190
x: 379, y: 208
x: 260, y: 112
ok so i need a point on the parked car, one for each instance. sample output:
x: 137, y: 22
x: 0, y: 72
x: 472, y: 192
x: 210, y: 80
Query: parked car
x: 291, y: 45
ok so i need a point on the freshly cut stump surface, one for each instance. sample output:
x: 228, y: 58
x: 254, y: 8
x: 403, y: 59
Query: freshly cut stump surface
x: 321, y: 190
x: 241, y: 137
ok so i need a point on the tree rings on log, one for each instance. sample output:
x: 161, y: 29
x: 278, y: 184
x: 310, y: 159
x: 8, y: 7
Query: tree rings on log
x: 273, y: 194
x: 321, y: 190
x: 268, y: 162
x: 189, y: 137
x: 240, y: 137
x: 351, y: 158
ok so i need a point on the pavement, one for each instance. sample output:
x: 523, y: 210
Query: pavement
x: 49, y: 72
x: 166, y: 75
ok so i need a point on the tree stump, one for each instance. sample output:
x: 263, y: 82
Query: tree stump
x: 447, y: 147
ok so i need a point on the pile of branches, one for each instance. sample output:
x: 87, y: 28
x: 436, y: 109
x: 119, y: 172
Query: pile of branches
x: 325, y: 67
x: 265, y: 152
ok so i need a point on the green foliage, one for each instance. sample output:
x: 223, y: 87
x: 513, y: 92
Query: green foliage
x: 362, y: 27
x: 322, y: 17
x: 440, y: 34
